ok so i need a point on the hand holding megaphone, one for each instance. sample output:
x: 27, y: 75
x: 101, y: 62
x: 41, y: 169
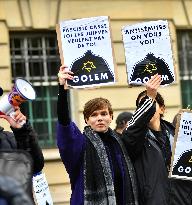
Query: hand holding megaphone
x: 21, y: 92
x: 17, y: 120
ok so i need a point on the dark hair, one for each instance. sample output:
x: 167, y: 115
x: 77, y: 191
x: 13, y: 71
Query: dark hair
x: 96, y: 104
x: 122, y: 119
x: 159, y: 99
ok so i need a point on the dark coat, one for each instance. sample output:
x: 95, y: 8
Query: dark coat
x: 11, y: 193
x: 23, y: 139
x: 72, y: 145
x: 154, y: 185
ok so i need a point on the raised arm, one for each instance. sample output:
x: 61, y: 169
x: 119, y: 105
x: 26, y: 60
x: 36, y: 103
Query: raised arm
x: 70, y: 140
x: 27, y: 139
x: 135, y: 133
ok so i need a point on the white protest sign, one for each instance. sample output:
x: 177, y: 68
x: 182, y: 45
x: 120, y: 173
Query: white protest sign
x: 41, y: 190
x: 86, y: 48
x: 182, y: 153
x: 148, y: 51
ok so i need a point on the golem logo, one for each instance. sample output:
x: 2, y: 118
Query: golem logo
x: 187, y: 170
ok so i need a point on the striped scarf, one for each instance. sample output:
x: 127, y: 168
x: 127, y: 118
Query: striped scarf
x: 98, y: 181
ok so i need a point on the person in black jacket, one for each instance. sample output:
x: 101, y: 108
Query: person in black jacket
x: 121, y: 122
x: 23, y: 137
x: 11, y: 192
x: 148, y: 139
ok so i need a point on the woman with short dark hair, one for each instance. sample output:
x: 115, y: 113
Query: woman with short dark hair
x: 96, y: 160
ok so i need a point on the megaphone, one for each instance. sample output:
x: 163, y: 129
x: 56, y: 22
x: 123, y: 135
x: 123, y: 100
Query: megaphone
x: 21, y: 92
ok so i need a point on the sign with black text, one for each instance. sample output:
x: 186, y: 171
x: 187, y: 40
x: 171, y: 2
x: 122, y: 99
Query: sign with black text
x: 41, y: 190
x: 148, y: 51
x: 86, y: 48
x: 181, y: 166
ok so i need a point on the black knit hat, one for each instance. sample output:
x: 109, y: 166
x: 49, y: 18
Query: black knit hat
x: 1, y: 91
x: 123, y: 117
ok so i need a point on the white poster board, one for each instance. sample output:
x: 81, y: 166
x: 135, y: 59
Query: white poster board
x: 86, y: 48
x: 41, y: 190
x: 148, y: 51
x: 181, y: 166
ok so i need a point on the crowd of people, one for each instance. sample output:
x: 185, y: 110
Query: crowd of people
x: 128, y: 165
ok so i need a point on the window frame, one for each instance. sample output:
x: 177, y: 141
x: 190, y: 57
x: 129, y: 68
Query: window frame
x: 46, y: 81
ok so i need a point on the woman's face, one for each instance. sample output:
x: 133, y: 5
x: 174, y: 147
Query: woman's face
x: 100, y: 120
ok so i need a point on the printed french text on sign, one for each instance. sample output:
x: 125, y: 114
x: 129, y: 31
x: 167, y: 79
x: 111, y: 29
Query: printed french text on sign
x: 182, y: 159
x: 148, y: 51
x: 86, y: 48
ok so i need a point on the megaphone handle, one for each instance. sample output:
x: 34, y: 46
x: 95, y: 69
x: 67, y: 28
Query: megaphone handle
x: 12, y: 114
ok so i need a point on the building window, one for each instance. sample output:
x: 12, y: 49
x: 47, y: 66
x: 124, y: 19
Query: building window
x: 185, y: 65
x: 35, y: 57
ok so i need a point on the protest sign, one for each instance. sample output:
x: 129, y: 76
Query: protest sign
x: 85, y: 46
x: 181, y: 165
x: 41, y: 190
x: 148, y: 51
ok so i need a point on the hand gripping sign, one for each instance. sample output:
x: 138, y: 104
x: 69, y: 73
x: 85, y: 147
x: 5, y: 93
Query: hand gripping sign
x: 85, y: 46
